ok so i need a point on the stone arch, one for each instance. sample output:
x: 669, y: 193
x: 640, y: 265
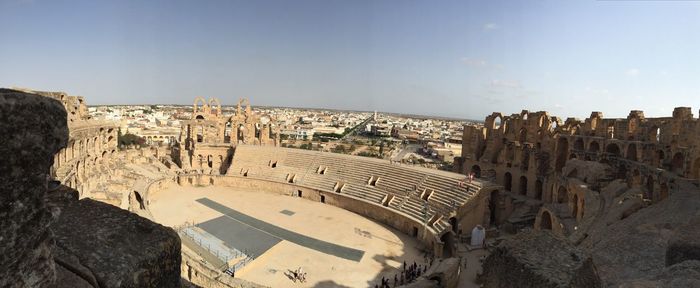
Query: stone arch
x: 522, y: 185
x: 562, y: 194
x: 562, y: 153
x: 243, y: 102
x: 508, y: 181
x: 678, y: 163
x: 197, y: 108
x: 594, y: 147
x: 522, y: 135
x: 498, y: 122
x: 546, y: 221
x: 214, y: 106
x: 613, y: 149
x: 654, y: 134
x: 632, y: 152
x: 476, y: 170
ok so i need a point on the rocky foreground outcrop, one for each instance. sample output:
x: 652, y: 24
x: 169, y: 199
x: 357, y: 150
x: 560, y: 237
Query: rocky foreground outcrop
x: 52, y: 239
x: 538, y: 259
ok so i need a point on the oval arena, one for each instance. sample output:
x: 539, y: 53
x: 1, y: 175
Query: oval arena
x: 271, y: 210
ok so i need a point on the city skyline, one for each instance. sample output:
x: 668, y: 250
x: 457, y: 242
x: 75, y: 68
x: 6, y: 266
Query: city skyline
x: 458, y: 59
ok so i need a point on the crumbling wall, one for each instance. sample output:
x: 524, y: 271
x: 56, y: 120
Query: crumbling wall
x: 55, y: 240
x: 33, y: 128
x: 538, y: 259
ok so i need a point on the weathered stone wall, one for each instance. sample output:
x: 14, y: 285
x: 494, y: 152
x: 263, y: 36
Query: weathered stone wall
x: 33, y: 128
x: 538, y: 259
x: 53, y: 239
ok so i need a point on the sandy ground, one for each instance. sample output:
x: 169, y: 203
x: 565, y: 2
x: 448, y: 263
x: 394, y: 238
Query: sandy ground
x: 385, y: 248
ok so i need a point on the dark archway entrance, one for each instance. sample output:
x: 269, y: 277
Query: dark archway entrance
x: 448, y: 246
x: 493, y: 207
x: 538, y: 189
x: 546, y: 221
x: 477, y: 171
x: 454, y: 224
x: 523, y: 185
x: 632, y: 152
x: 508, y: 181
x: 677, y: 163
x: 562, y: 195
x: 562, y: 153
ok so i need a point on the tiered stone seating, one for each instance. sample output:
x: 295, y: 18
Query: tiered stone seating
x: 355, y: 172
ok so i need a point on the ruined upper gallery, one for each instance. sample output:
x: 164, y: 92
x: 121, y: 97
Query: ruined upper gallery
x: 595, y: 182
x: 52, y: 239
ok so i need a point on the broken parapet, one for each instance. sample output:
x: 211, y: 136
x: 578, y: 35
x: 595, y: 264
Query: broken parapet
x: 538, y: 259
x: 33, y: 128
x: 53, y: 239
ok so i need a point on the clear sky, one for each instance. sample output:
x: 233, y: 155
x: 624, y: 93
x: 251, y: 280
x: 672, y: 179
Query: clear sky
x: 460, y: 59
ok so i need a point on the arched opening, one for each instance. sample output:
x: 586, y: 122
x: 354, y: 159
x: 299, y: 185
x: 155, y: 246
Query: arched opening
x: 613, y: 150
x: 523, y: 135
x: 562, y: 153
x: 510, y: 154
x: 454, y: 224
x: 448, y: 246
x: 677, y: 163
x: 508, y: 181
x: 654, y: 134
x: 574, y: 206
x: 199, y: 117
x: 227, y: 132
x: 523, y: 185
x: 138, y: 198
x: 578, y: 145
x: 572, y: 156
x: 649, y: 193
x: 539, y: 186
x: 594, y: 147
x: 632, y: 152
x: 200, y: 133
x: 477, y: 171
x: 562, y: 195
x: 493, y: 207
x: 210, y: 161
x: 546, y: 221
x: 497, y: 122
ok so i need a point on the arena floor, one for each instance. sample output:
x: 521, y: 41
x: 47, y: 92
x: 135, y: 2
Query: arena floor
x: 360, y: 251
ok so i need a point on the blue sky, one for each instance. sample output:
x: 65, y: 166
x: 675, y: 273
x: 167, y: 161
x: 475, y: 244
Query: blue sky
x: 451, y: 58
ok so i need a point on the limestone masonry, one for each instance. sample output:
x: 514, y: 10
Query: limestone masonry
x: 598, y: 202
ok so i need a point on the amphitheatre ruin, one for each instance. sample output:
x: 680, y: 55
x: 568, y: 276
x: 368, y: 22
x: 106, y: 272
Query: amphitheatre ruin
x: 600, y: 202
